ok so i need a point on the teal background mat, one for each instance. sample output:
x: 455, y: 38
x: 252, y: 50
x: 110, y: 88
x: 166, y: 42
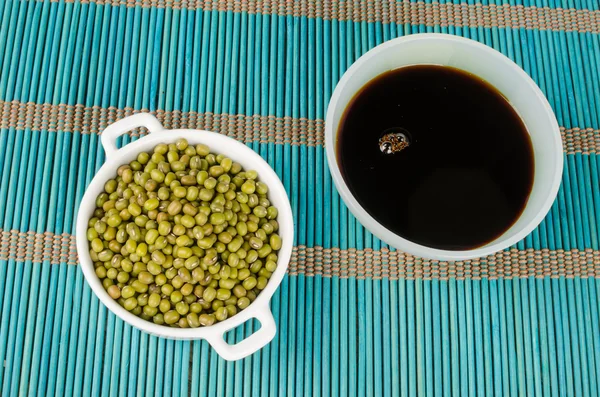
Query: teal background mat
x: 355, y: 317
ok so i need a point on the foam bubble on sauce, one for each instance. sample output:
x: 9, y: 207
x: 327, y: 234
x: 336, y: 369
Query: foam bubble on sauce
x: 394, y: 141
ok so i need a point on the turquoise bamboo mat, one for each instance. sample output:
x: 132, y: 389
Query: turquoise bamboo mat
x: 355, y: 317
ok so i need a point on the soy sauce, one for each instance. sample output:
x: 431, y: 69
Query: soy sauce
x: 463, y: 165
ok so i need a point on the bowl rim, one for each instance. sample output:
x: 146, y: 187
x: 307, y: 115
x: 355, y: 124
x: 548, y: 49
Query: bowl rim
x: 384, y: 233
x: 260, y: 305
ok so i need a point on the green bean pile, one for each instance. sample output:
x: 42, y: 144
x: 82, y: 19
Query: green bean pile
x: 184, y: 237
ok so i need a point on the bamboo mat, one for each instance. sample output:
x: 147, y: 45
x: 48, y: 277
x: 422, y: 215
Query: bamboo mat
x: 355, y: 318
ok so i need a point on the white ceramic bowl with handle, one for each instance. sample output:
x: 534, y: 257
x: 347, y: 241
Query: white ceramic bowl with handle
x: 218, y: 144
x: 495, y: 68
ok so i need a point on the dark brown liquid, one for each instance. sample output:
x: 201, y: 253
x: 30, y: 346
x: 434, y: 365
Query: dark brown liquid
x: 466, y: 175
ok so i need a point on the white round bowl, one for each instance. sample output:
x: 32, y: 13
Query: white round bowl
x: 218, y: 143
x: 495, y: 68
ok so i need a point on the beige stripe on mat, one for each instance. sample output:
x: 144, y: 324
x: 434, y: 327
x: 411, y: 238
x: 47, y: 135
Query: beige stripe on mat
x: 93, y: 120
x: 400, y: 12
x: 263, y: 129
x: 353, y: 263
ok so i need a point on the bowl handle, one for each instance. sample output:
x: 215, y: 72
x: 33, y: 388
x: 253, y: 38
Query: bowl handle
x: 118, y: 128
x: 251, y: 344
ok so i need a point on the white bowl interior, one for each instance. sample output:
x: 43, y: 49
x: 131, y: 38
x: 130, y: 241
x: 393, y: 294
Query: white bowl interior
x: 493, y: 67
x: 218, y: 143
